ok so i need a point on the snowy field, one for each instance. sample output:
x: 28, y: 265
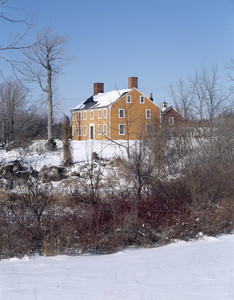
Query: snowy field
x: 181, y: 271
x: 36, y: 156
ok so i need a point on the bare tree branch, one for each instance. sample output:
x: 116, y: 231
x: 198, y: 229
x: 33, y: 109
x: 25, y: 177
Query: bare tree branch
x: 17, y: 43
x: 43, y: 61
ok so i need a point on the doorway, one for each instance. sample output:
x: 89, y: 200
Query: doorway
x: 91, y: 132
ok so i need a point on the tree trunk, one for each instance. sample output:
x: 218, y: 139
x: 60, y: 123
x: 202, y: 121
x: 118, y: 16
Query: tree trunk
x: 50, y: 107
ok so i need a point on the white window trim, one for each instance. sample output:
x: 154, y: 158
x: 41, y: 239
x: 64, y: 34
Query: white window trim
x: 171, y: 120
x: 104, y: 129
x: 148, y: 126
x: 123, y: 130
x: 99, y: 129
x: 146, y: 112
x: 80, y: 130
x: 84, y: 130
x: 73, y: 116
x: 99, y: 114
x: 73, y: 130
x: 120, y: 109
x: 91, y: 114
x: 128, y: 97
x: 105, y: 113
x: 84, y: 115
x: 80, y: 115
x: 143, y: 99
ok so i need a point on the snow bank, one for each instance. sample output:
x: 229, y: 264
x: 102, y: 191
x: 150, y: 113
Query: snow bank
x: 196, y: 270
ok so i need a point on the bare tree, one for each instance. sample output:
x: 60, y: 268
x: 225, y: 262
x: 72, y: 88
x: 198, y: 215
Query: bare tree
x: 12, y: 104
x: 202, y: 96
x: 198, y: 95
x: 215, y: 95
x: 182, y: 98
x: 43, y: 62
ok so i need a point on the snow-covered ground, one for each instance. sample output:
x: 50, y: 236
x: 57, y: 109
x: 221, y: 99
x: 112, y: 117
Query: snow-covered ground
x: 196, y: 270
x: 37, y: 156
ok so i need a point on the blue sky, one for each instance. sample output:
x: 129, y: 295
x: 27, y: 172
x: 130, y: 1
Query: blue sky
x: 160, y: 41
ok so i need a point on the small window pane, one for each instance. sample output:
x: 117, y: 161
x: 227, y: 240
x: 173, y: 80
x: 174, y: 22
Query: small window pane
x: 104, y: 113
x: 148, y: 128
x: 74, y: 130
x: 121, y: 113
x: 99, y: 129
x: 129, y: 99
x: 104, y: 129
x: 121, y: 129
x: 99, y: 114
x: 171, y: 120
x: 148, y: 113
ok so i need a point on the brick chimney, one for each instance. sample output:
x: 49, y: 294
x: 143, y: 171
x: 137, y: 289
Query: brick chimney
x: 132, y: 82
x: 98, y: 87
x: 151, y: 97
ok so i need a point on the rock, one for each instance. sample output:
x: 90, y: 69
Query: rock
x: 52, y: 173
x: 8, y: 170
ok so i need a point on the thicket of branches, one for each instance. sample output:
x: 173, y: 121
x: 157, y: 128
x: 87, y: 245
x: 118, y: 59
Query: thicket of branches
x: 21, y: 121
x: 176, y: 188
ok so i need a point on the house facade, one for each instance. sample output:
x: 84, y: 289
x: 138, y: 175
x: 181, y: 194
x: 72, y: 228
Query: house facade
x: 169, y: 116
x: 116, y: 115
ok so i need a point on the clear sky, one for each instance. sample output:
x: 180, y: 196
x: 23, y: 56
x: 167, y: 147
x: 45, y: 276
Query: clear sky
x: 159, y: 41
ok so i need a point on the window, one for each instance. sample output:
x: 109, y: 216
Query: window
x: 84, y: 130
x: 121, y: 129
x: 171, y: 120
x: 99, y: 114
x: 79, y: 115
x: 104, y: 129
x: 74, y: 130
x: 121, y: 113
x: 80, y: 131
x: 129, y: 99
x: 148, y: 114
x: 104, y: 113
x: 142, y: 99
x: 99, y: 129
x: 148, y: 128
x: 73, y: 116
x: 84, y: 115
x: 91, y: 114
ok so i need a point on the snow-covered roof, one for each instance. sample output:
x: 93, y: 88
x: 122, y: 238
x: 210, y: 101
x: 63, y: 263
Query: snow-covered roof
x: 101, y: 99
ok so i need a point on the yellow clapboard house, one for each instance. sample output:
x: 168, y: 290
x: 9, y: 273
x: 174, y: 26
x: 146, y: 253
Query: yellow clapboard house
x: 116, y: 115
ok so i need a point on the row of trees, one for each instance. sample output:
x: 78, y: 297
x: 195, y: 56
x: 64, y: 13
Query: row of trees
x: 19, y: 119
x: 202, y: 96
